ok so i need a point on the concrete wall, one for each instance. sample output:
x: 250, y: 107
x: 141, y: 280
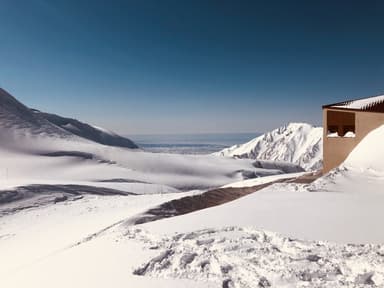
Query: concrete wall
x: 366, y: 122
x: 337, y: 149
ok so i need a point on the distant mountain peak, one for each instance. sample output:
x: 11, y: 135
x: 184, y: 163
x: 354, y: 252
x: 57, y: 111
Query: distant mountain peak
x: 298, y: 143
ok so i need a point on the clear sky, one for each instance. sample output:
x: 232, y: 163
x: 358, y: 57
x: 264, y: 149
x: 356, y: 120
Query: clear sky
x: 188, y: 66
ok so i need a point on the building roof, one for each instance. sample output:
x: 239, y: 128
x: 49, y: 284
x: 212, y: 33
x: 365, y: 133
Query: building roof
x: 370, y: 104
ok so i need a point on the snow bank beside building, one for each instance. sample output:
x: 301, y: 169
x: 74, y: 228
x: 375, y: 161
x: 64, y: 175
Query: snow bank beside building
x: 369, y: 153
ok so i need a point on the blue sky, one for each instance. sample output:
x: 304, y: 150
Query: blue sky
x: 190, y: 66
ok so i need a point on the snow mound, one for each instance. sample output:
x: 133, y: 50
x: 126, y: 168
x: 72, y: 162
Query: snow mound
x: 369, y: 153
x: 297, y: 143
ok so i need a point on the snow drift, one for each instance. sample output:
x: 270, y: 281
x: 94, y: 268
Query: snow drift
x: 297, y: 143
x: 369, y: 153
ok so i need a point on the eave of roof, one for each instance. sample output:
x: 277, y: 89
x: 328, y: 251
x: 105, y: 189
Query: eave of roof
x: 367, y: 104
x: 346, y: 109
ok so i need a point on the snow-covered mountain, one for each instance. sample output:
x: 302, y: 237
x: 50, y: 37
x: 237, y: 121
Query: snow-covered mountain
x: 213, y: 247
x: 89, y: 188
x: 297, y: 143
x: 84, y: 130
x: 18, y: 118
x: 38, y: 149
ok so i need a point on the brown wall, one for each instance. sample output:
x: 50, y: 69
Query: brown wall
x: 336, y: 150
x: 368, y: 121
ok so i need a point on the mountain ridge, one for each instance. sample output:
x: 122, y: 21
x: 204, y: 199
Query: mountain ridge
x: 298, y: 143
x: 87, y: 131
x: 17, y: 117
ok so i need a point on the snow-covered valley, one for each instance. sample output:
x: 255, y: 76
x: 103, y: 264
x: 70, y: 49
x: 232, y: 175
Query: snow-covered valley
x: 93, y: 243
x: 67, y: 201
x: 44, y: 149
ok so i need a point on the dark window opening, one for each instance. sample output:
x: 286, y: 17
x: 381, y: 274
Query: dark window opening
x: 341, y: 124
x: 332, y: 129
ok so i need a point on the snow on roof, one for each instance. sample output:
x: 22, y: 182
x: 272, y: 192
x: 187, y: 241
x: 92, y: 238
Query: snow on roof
x: 369, y: 103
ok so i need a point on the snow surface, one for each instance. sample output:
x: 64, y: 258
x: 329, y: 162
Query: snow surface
x: 46, y: 149
x: 90, y: 132
x: 41, y: 247
x: 65, y: 162
x: 88, y: 241
x: 361, y: 104
x: 297, y: 143
x: 347, y: 211
x: 343, y: 206
x: 368, y: 155
x: 17, y: 118
x: 94, y: 245
x: 333, y: 135
x: 263, y: 180
x: 246, y: 257
x: 350, y: 134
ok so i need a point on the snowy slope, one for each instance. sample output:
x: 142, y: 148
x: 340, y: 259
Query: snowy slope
x: 368, y: 155
x: 88, y: 241
x: 87, y: 131
x: 224, y: 246
x: 45, y: 158
x: 32, y: 237
x: 297, y: 143
x: 18, y: 119
x: 344, y: 205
